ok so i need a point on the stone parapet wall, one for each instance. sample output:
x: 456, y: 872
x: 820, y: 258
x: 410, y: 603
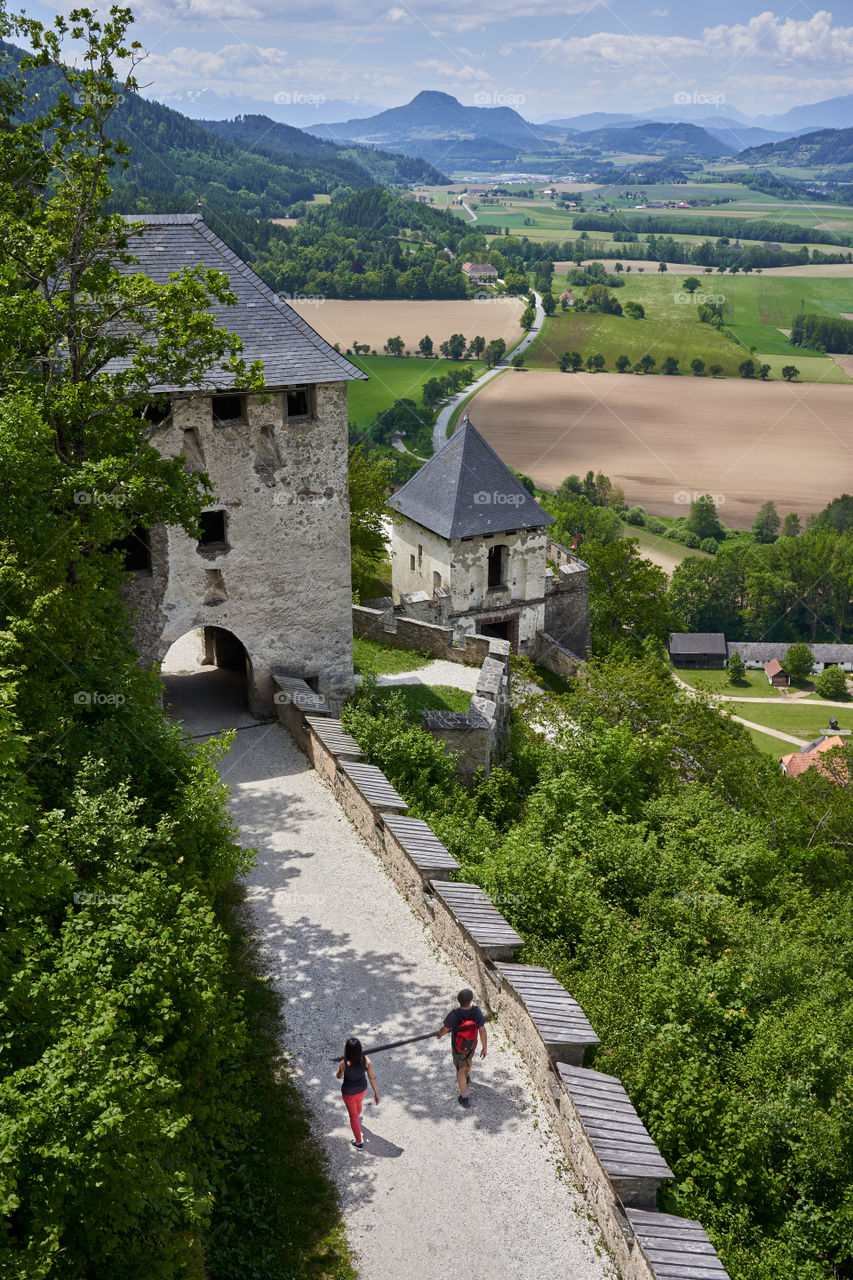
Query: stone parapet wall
x: 606, y: 1200
x: 399, y: 632
x: 480, y: 735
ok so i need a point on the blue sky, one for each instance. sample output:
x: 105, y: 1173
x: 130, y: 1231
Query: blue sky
x: 544, y: 58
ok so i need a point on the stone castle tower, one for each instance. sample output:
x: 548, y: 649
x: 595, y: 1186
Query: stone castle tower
x: 269, y: 581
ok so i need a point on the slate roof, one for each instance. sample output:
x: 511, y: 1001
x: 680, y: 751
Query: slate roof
x: 272, y: 332
x: 693, y: 642
x: 465, y: 490
x: 763, y: 650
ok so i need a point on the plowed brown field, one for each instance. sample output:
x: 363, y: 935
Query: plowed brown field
x: 375, y: 322
x: 666, y: 440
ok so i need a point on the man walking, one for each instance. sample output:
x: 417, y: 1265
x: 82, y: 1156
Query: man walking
x: 464, y: 1025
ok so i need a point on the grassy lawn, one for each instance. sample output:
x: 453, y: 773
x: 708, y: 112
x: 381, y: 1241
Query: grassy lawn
x: 804, y: 720
x: 661, y: 549
x: 396, y: 378
x: 368, y: 655
x: 430, y: 697
x: 754, y: 684
x: 773, y: 746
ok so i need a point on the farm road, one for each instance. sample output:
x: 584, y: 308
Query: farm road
x: 442, y: 422
x: 437, y: 1187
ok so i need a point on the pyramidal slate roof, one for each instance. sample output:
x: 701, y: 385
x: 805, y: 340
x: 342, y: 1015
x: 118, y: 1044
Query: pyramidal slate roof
x: 271, y: 331
x: 465, y: 490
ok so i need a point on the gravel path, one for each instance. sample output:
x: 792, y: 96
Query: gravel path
x: 438, y: 1189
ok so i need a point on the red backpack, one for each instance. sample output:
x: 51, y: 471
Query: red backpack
x: 465, y: 1036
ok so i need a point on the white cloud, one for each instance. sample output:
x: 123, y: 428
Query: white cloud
x: 658, y: 13
x: 453, y: 71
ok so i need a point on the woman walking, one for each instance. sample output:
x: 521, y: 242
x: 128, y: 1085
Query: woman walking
x: 355, y: 1071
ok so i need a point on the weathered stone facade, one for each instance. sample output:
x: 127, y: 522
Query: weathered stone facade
x: 280, y: 580
x: 470, y: 551
x: 269, y: 580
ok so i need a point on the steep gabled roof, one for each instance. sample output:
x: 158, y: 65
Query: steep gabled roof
x: 465, y: 490
x: 271, y: 331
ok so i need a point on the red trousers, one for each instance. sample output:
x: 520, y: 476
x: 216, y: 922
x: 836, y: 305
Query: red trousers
x: 354, y: 1103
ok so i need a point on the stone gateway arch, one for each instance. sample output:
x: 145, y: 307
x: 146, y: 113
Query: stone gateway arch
x: 272, y: 567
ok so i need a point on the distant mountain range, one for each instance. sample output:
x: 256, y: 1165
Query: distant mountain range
x: 824, y: 147
x: 439, y: 128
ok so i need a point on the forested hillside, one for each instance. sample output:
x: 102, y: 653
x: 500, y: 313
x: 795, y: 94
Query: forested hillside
x: 251, y: 166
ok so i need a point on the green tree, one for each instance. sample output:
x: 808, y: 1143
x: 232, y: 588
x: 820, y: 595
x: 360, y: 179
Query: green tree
x: 432, y: 392
x: 691, y: 284
x: 369, y: 486
x: 477, y: 346
x: 832, y: 683
x: 698, y: 366
x: 576, y: 360
x: 662, y: 267
x: 425, y: 346
x: 670, y: 365
x: 764, y: 371
x: 125, y: 1044
x: 798, y: 661
x: 517, y: 360
x: 622, y: 363
x: 790, y: 372
x: 791, y: 526
x: 646, y: 363
x: 703, y: 519
x: 549, y: 304
x: 765, y: 527
x: 394, y: 346
x: 527, y: 318
x: 635, y: 310
x: 747, y: 369
x: 736, y: 667
x: 715, y: 370
x: 628, y: 597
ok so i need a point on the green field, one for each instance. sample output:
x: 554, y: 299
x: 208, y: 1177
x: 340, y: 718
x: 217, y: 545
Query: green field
x: 653, y: 545
x: 757, y: 306
x: 395, y: 378
x: 754, y: 684
x: 805, y: 720
x: 773, y: 746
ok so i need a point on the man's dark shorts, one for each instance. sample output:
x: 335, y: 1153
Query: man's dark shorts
x: 461, y: 1059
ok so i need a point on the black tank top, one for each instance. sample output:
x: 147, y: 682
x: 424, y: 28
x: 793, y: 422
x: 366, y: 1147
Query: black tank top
x: 355, y: 1078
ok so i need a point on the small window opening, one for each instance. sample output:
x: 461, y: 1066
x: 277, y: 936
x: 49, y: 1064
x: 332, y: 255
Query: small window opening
x: 212, y: 529
x: 497, y: 566
x: 297, y: 403
x: 411, y: 562
x: 226, y: 408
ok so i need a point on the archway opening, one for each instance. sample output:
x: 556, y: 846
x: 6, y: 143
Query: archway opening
x: 209, y: 681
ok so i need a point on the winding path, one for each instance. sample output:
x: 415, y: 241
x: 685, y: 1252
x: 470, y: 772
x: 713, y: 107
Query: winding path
x: 438, y: 1190
x: 442, y: 422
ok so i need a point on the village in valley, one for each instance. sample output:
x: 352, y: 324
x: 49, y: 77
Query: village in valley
x: 426, y: 554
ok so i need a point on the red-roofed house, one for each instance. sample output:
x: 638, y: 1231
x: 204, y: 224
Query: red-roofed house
x: 776, y: 673
x: 810, y: 756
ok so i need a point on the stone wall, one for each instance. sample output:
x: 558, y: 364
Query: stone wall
x: 556, y: 657
x: 567, y: 601
x: 280, y: 581
x: 479, y: 736
x: 390, y: 628
x: 620, y: 1227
